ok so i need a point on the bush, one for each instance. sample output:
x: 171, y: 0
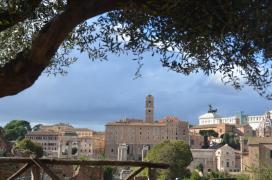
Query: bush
x: 175, y: 153
x: 28, y: 145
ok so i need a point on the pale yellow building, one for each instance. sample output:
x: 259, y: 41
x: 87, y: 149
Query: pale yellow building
x: 136, y: 134
x: 64, y: 141
x: 49, y: 140
x: 84, y: 132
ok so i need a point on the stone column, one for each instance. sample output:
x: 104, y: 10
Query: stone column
x: 144, y: 151
x: 69, y: 150
x: 241, y: 153
x: 78, y: 148
x: 122, y: 152
x: 35, y: 173
x: 59, y: 149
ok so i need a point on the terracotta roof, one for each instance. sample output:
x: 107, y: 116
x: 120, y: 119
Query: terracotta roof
x: 170, y: 119
x: 134, y: 124
x: 82, y: 129
x: 209, y: 126
x: 204, y: 126
x: 49, y: 133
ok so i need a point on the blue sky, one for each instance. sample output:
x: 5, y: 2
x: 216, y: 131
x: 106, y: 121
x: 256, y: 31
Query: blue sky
x: 94, y: 93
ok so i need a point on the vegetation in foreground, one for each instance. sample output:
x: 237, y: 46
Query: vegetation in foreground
x: 175, y: 153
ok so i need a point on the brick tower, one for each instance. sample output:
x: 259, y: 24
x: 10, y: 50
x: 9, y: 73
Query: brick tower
x: 149, y: 109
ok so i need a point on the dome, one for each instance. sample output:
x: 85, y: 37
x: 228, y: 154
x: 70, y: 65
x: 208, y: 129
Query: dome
x: 209, y: 116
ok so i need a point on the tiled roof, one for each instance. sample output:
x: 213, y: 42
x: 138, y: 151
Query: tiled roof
x: 170, y: 119
x: 42, y: 133
x: 204, y: 126
x: 134, y: 124
x: 209, y: 126
x: 82, y: 129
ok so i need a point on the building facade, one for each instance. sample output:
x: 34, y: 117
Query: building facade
x: 204, y: 157
x: 240, y: 118
x: 136, y: 134
x: 47, y: 139
x: 64, y: 141
x: 239, y: 129
x: 219, y: 128
x: 226, y: 159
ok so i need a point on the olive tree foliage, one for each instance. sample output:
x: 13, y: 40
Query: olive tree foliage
x: 16, y: 130
x: 28, y: 147
x: 176, y: 153
x: 229, y: 37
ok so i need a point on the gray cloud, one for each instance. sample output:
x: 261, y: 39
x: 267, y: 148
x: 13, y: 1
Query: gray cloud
x: 94, y: 93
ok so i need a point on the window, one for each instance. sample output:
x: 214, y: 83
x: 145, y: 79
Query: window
x: 227, y: 164
x: 270, y: 154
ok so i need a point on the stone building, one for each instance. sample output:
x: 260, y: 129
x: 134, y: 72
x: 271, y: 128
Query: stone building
x: 240, y: 118
x: 225, y: 157
x: 239, y: 129
x: 265, y: 127
x: 64, y: 141
x: 99, y: 144
x: 49, y: 140
x: 219, y: 128
x: 196, y: 141
x: 255, y: 152
x: 205, y: 157
x: 149, y: 110
x: 137, y: 133
x: 83, y: 132
x: 243, y: 130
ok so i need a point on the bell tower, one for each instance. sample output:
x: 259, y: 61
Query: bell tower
x: 149, y: 109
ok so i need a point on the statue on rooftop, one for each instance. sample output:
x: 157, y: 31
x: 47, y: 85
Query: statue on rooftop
x: 211, y: 109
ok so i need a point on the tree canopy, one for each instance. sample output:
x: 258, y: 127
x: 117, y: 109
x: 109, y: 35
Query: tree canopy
x: 206, y: 134
x: 27, y: 146
x: 36, y: 127
x: 175, y: 153
x: 231, y: 139
x: 229, y: 37
x: 16, y: 130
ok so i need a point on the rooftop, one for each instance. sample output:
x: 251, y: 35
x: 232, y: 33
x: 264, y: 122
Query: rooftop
x: 259, y: 140
x: 48, y: 133
x: 209, y: 126
x: 82, y: 129
x: 209, y: 116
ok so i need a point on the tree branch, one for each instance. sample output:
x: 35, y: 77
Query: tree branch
x: 21, y: 72
x: 9, y: 18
